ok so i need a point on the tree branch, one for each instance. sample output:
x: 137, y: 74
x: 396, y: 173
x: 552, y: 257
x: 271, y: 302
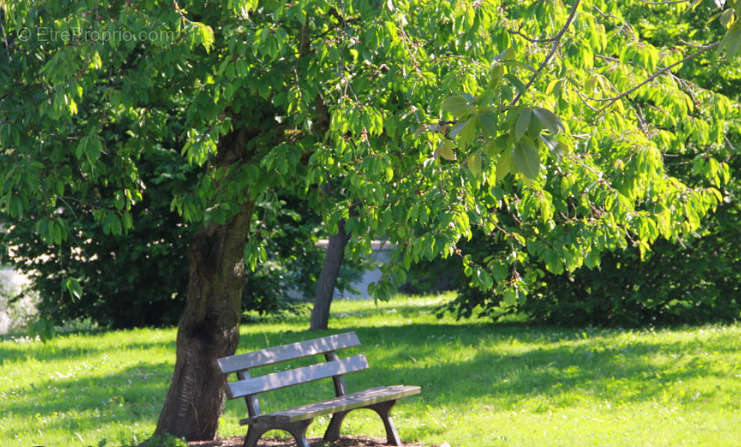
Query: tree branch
x: 610, y: 101
x: 666, y: 2
x: 556, y: 42
x: 519, y: 32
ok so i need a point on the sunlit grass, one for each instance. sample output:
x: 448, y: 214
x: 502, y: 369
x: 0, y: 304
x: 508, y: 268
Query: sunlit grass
x: 483, y: 384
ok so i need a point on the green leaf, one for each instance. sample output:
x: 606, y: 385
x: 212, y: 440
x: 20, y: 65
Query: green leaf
x: 72, y: 105
x: 519, y: 85
x: 732, y: 40
x: 497, y: 146
x: 553, y: 262
x: 523, y: 122
x: 474, y: 164
x: 205, y: 35
x: 468, y: 132
x: 446, y: 150
x: 726, y: 18
x: 96, y: 62
x: 504, y: 165
x: 457, y: 129
x: 73, y: 287
x: 43, y: 328
x: 389, y: 173
x: 548, y: 119
x: 458, y: 106
x: 526, y: 158
x: 488, y: 120
x: 592, y: 259
x: 93, y: 147
x: 243, y: 7
x: 81, y: 147
x: 509, y: 297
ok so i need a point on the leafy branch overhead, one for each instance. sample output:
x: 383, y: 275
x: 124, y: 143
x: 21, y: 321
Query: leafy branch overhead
x: 548, y: 125
x: 512, y: 144
x: 598, y: 78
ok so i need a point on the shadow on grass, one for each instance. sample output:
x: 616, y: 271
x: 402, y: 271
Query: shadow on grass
x: 128, y: 396
x: 44, y: 352
x: 454, y: 364
x: 507, y: 364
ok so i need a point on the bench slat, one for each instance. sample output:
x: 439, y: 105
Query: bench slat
x: 305, y: 374
x: 291, y: 351
x: 342, y: 403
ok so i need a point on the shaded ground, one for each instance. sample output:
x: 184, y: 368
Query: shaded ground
x: 344, y: 441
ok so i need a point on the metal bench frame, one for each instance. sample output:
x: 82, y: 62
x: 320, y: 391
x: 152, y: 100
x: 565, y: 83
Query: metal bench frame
x: 296, y: 420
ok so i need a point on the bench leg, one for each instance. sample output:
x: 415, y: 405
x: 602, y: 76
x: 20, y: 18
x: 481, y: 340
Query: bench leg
x: 384, y: 409
x: 253, y: 434
x: 333, y: 431
x: 298, y: 431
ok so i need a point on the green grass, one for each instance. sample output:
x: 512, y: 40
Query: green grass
x: 483, y: 384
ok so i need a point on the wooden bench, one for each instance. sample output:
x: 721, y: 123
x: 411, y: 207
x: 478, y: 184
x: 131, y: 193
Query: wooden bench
x: 296, y: 420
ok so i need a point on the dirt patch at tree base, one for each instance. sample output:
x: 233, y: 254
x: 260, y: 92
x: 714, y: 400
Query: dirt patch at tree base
x: 344, y: 441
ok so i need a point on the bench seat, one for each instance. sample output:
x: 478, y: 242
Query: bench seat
x: 342, y: 403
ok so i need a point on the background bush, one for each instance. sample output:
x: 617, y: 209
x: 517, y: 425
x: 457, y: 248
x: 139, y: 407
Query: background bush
x: 140, y: 278
x: 696, y: 281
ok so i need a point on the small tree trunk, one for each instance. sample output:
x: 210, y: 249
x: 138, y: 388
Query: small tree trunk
x: 208, y: 329
x: 328, y: 278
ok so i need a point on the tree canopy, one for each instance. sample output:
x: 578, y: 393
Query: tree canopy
x: 543, y: 122
x: 625, y: 291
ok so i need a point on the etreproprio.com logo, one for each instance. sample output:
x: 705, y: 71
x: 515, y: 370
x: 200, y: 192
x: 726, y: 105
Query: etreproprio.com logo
x: 47, y: 34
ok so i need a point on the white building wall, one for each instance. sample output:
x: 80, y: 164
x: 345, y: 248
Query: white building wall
x: 382, y: 251
x: 380, y: 255
x: 14, y: 316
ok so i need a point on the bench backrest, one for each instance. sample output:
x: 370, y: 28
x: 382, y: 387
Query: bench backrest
x: 247, y: 386
x: 291, y: 351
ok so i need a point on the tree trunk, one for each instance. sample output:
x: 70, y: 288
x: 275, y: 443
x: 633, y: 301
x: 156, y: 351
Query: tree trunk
x: 208, y: 329
x: 328, y: 277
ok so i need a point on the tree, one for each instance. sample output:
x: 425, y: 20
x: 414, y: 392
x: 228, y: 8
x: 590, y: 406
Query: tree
x: 682, y: 279
x: 697, y: 279
x: 327, y: 280
x: 258, y: 96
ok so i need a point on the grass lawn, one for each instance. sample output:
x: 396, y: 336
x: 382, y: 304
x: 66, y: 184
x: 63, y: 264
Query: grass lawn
x: 483, y: 384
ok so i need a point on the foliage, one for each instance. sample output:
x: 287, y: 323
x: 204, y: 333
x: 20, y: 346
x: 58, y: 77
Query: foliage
x: 139, y: 278
x: 694, y: 160
x: 483, y: 383
x: 287, y: 276
x: 697, y: 280
x: 669, y: 287
x: 603, y: 184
